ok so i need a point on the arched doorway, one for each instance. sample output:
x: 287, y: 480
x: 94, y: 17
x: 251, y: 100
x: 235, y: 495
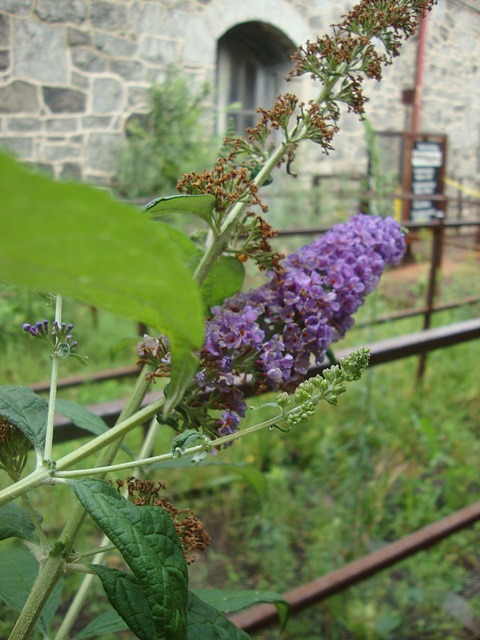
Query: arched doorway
x: 253, y: 59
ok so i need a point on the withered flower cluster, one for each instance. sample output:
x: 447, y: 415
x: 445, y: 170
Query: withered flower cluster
x: 189, y: 528
x: 340, y: 62
x: 14, y: 448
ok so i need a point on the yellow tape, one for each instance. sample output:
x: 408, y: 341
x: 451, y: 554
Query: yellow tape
x: 460, y: 187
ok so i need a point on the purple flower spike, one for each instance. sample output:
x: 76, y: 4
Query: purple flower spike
x: 274, y: 333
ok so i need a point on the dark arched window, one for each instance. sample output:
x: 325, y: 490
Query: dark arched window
x: 253, y: 59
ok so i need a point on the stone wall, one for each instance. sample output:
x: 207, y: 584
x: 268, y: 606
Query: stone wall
x: 72, y: 71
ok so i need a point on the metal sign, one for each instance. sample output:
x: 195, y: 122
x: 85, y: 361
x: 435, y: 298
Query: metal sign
x: 424, y: 176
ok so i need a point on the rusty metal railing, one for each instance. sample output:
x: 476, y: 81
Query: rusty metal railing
x: 352, y: 573
x: 383, y: 351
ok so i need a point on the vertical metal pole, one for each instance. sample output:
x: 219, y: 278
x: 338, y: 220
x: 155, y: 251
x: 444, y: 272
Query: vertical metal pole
x: 460, y: 203
x: 417, y: 106
x: 435, y: 260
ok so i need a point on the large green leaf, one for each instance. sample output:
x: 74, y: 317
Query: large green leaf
x: 206, y: 623
x: 26, y: 410
x: 77, y: 241
x: 233, y: 601
x: 15, y: 522
x: 18, y: 570
x: 128, y: 599
x: 147, y: 539
x: 185, y: 246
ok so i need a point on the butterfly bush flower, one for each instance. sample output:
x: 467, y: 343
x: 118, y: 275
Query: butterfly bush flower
x: 269, y: 336
x: 275, y: 332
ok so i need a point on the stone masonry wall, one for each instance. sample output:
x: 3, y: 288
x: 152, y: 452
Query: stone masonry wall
x: 72, y: 71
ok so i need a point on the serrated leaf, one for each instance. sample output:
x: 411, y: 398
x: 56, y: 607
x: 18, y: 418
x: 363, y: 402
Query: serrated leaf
x: 15, y: 522
x: 108, y: 622
x: 147, y: 539
x: 128, y: 599
x: 200, y: 205
x: 233, y: 601
x: 77, y: 241
x: 224, y: 280
x: 26, y: 410
x: 18, y: 571
x: 206, y: 623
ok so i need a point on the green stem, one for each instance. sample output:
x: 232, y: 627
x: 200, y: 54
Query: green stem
x: 102, y: 549
x: 35, y: 479
x: 72, y: 567
x: 216, y: 248
x: 168, y: 456
x: 52, y: 398
x: 78, y: 601
x: 47, y: 453
x: 218, y: 245
x: 113, y: 434
x: 51, y: 571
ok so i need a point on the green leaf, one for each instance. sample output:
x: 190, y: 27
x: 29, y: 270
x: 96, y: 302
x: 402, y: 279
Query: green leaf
x: 81, y: 416
x: 26, y: 410
x: 128, y: 599
x: 206, y: 623
x: 108, y: 622
x: 77, y: 241
x: 200, y: 205
x: 224, y: 280
x: 185, y: 246
x: 233, y: 601
x: 18, y: 571
x: 15, y: 522
x: 147, y: 539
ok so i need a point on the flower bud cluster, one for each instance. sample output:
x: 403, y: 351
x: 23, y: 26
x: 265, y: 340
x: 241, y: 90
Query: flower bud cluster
x: 327, y: 386
x: 59, y: 338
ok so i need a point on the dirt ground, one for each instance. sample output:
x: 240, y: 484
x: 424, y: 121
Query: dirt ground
x: 458, y: 275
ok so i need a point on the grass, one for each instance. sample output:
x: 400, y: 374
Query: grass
x: 393, y: 457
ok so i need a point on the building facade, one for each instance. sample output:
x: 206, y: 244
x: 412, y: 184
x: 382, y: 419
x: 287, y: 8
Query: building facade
x: 73, y: 71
